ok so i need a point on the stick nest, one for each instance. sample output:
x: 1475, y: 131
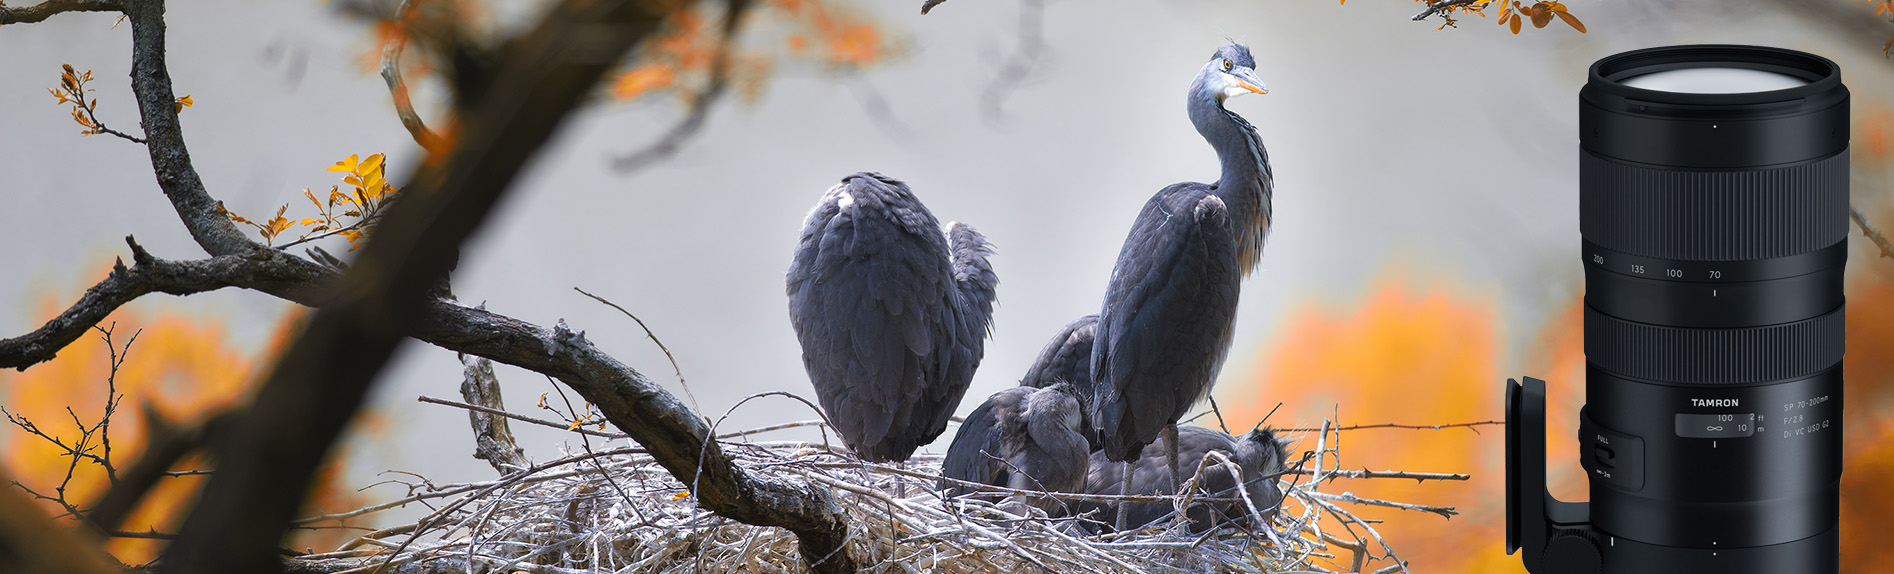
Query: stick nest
x: 617, y: 510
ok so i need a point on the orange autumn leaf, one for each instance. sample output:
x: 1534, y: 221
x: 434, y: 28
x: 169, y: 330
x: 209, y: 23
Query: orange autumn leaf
x: 641, y: 80
x: 855, y: 44
x: 1571, y: 20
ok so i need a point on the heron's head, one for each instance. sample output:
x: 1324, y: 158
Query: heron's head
x: 1079, y: 403
x: 1231, y: 72
x: 1264, y: 448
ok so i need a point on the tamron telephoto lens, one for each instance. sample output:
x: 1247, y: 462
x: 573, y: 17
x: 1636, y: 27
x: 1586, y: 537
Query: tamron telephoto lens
x: 1713, y: 187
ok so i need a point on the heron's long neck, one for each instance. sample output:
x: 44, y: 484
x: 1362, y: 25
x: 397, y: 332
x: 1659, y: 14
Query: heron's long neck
x: 1246, y: 184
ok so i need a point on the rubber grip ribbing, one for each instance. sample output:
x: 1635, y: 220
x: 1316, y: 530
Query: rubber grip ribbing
x: 1736, y: 356
x: 1713, y: 215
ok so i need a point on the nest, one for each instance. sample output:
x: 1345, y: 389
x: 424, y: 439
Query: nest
x: 617, y: 510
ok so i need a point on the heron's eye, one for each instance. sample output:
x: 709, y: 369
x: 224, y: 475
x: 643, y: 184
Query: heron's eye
x: 1226, y: 65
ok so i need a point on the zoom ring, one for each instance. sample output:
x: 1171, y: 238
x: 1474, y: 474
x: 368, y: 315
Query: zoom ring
x: 1713, y: 215
x: 1737, y: 356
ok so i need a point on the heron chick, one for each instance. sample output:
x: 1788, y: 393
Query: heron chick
x: 1024, y: 439
x: 892, y: 314
x: 1258, y: 454
x: 1170, y: 308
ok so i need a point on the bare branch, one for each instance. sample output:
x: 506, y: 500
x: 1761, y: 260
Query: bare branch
x: 493, y: 440
x: 1887, y: 249
x: 281, y: 275
x: 1443, y: 6
x: 1365, y: 473
x: 398, y: 87
x: 1470, y: 426
x: 518, y: 417
x: 170, y: 160
x: 41, y: 11
x: 654, y: 339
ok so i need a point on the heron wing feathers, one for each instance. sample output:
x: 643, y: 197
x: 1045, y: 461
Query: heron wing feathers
x: 1168, y: 316
x: 871, y: 296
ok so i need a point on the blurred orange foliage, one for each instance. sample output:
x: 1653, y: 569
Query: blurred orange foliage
x: 185, y: 367
x: 1430, y: 356
x: 816, y: 31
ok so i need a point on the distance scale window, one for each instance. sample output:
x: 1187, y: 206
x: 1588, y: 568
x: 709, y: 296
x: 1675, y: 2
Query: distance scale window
x: 1716, y: 425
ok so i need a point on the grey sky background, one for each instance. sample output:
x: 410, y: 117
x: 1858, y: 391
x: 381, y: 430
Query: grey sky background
x: 1448, y: 158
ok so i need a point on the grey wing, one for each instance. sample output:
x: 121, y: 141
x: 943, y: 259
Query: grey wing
x: 870, y: 293
x: 1167, y: 320
x: 1066, y: 358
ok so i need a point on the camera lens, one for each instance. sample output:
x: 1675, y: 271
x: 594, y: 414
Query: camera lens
x: 1714, y: 209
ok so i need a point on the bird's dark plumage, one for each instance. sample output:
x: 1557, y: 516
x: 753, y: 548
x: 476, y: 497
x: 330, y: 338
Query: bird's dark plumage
x: 1067, y: 358
x: 1170, y: 308
x: 892, y: 314
x: 1260, y: 455
x: 1023, y: 438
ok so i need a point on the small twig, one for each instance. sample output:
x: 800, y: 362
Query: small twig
x: 654, y: 338
x: 1365, y: 473
x: 1469, y: 426
x: 1887, y: 249
x: 1443, y: 6
x: 522, y: 418
x: 1349, y: 497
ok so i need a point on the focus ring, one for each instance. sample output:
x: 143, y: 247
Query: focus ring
x: 1713, y: 215
x: 1738, y: 356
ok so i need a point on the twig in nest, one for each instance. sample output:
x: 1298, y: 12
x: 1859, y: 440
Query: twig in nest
x: 654, y: 338
x: 1469, y: 426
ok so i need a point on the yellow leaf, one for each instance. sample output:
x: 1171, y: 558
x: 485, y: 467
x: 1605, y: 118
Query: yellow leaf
x: 346, y: 165
x: 183, y: 102
x: 371, y: 165
x: 682, y: 494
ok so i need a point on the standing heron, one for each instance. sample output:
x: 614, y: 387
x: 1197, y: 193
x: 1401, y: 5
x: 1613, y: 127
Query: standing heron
x: 1024, y: 438
x: 1260, y: 456
x: 892, y: 314
x: 1170, y: 309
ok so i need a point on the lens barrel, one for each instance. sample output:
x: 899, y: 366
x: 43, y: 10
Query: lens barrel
x: 1715, y: 229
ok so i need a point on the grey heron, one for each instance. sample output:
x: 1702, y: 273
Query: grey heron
x: 1259, y: 454
x: 1068, y: 358
x: 892, y: 313
x: 1170, y: 308
x: 1025, y: 439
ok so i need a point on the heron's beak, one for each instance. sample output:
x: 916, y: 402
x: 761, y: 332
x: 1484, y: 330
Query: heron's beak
x: 1246, y: 78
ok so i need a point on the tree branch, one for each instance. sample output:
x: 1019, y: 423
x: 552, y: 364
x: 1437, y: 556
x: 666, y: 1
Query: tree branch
x: 170, y: 160
x: 398, y: 87
x: 1443, y: 5
x: 41, y: 11
x: 277, y: 275
x: 493, y: 439
x: 509, y: 108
